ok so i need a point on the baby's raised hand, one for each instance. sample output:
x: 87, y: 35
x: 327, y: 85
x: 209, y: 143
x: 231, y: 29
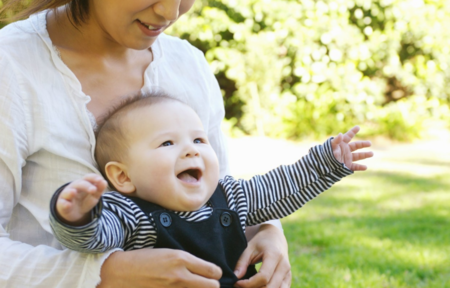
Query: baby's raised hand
x: 343, y: 150
x: 76, y: 201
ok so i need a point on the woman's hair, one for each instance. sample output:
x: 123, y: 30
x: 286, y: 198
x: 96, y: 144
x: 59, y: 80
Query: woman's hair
x: 78, y: 10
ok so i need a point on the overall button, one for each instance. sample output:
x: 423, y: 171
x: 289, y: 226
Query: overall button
x: 165, y: 219
x: 225, y: 219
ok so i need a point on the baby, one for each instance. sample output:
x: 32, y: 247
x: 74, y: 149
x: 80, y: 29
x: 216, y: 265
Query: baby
x: 154, y: 152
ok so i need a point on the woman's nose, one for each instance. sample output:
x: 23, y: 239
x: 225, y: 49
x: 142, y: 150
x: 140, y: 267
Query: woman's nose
x: 168, y: 9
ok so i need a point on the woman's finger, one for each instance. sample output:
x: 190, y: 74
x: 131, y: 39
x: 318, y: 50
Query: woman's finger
x: 287, y: 280
x: 173, y: 268
x: 266, y: 272
x: 197, y: 281
x: 270, y: 246
x: 244, y: 261
x: 202, y: 268
x: 196, y: 272
x: 282, y: 274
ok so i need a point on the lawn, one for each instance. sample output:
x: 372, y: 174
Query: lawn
x: 387, y: 227
x: 379, y: 230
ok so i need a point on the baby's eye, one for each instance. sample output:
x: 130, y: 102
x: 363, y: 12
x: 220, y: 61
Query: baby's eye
x: 199, y: 141
x: 167, y: 143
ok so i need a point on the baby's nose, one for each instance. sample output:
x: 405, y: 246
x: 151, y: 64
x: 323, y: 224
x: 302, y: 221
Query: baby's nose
x: 192, y: 154
x: 191, y: 151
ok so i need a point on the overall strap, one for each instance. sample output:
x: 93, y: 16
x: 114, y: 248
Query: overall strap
x: 218, y: 199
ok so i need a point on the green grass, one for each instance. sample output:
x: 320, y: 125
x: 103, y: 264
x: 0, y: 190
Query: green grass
x: 374, y: 229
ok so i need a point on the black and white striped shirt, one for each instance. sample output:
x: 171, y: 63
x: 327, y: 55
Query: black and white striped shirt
x: 119, y: 222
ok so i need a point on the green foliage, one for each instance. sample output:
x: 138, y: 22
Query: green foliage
x: 295, y: 68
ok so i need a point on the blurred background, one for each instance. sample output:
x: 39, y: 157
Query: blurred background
x: 293, y: 72
x: 292, y: 69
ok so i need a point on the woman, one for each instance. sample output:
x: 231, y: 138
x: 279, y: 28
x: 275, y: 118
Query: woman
x: 62, y: 69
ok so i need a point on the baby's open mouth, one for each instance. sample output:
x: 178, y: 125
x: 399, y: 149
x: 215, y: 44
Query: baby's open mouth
x: 190, y: 175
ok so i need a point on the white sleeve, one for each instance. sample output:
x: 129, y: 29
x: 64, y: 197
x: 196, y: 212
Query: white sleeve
x: 23, y: 265
x: 215, y: 135
x: 217, y: 138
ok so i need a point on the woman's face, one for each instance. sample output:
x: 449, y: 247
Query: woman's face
x: 136, y: 23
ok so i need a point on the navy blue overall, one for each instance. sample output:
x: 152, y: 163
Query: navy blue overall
x: 218, y: 239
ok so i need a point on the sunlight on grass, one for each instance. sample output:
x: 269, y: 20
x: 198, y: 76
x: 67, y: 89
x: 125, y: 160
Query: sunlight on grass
x: 380, y: 230
x: 409, y: 253
x: 418, y: 200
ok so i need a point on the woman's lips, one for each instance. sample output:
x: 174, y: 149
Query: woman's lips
x: 150, y: 29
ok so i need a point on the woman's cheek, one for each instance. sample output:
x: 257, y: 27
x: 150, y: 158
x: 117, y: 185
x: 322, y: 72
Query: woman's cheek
x: 185, y: 6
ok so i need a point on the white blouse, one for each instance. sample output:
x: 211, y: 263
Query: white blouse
x: 47, y: 139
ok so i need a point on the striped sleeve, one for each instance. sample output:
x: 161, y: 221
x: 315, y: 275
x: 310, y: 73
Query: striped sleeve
x: 286, y: 189
x: 117, y: 223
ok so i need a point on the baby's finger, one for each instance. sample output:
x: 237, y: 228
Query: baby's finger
x: 68, y: 193
x: 100, y: 190
x: 361, y: 155
x: 63, y: 205
x: 82, y: 187
x: 102, y: 184
x: 358, y: 167
x: 336, y: 141
x: 92, y: 178
x: 359, y: 145
x: 350, y: 134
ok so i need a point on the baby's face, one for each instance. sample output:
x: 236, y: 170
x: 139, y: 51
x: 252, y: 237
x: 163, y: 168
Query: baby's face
x: 170, y: 161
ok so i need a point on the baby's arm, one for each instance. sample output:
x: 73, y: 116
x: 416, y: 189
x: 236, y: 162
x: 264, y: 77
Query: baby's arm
x: 285, y: 189
x: 115, y: 221
x: 76, y: 201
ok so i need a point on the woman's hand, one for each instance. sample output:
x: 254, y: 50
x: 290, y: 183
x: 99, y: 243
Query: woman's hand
x: 158, y: 268
x: 270, y: 246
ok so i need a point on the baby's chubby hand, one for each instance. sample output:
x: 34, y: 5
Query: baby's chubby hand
x: 342, y: 149
x: 76, y: 201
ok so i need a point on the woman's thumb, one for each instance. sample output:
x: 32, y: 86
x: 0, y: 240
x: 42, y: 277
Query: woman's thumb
x: 242, y: 264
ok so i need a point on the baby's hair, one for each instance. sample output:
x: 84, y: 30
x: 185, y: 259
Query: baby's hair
x: 112, y: 142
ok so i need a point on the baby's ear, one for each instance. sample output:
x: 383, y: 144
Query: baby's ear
x: 118, y: 176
